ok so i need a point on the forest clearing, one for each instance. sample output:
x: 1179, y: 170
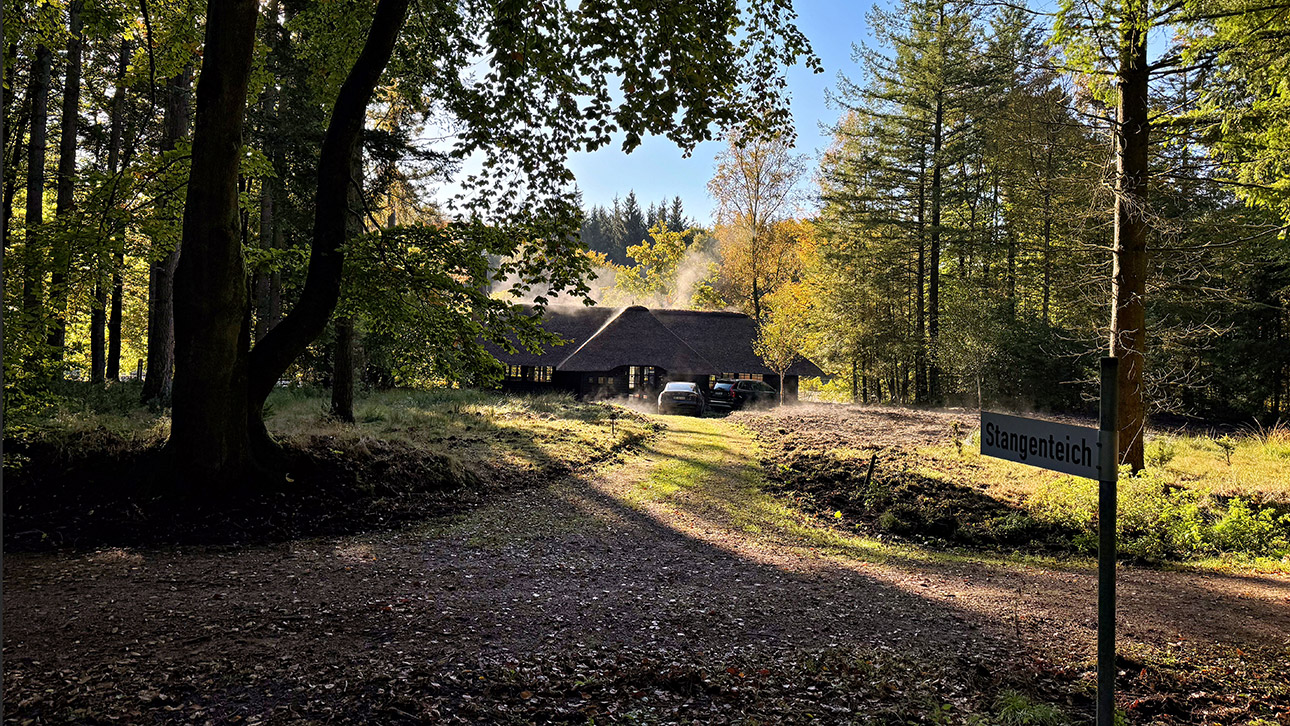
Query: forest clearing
x: 661, y: 572
x: 339, y: 338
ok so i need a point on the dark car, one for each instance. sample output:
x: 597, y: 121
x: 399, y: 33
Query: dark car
x: 734, y: 395
x: 681, y: 396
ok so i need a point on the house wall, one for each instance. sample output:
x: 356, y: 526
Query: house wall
x: 790, y: 389
x: 520, y: 386
x: 600, y: 385
x: 702, y: 381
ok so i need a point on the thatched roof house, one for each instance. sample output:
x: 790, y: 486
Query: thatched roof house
x: 617, y: 351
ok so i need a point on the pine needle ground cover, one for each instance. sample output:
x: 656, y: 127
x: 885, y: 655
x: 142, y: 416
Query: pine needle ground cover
x: 76, y: 474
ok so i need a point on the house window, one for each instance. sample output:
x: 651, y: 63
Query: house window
x: 712, y: 380
x: 537, y: 374
x: 640, y: 377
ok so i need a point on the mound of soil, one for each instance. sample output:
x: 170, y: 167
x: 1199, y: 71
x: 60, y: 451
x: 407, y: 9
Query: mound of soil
x: 902, y: 502
x: 99, y: 493
x: 831, y: 426
x: 800, y: 456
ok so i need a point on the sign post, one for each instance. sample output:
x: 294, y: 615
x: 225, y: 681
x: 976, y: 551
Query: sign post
x: 1109, y: 432
x: 1088, y: 453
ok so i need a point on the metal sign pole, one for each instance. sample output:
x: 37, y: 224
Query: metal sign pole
x: 1109, y: 439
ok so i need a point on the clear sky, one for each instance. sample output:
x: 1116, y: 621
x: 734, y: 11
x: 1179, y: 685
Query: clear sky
x: 656, y: 169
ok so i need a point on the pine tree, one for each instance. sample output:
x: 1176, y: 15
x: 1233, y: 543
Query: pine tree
x: 635, y: 230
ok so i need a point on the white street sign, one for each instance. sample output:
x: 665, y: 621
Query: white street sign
x: 1045, y: 444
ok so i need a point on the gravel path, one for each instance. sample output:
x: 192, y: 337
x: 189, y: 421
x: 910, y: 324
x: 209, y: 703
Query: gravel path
x: 677, y: 551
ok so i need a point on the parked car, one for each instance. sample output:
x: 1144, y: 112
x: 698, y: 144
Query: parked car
x: 735, y: 395
x: 682, y: 396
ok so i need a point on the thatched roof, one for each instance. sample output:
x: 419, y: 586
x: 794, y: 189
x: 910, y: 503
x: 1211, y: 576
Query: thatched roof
x: 633, y: 336
x: 573, y: 323
x: 687, y: 342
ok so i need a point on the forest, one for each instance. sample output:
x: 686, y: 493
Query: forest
x: 956, y: 242
x: 1007, y: 191
x: 262, y: 464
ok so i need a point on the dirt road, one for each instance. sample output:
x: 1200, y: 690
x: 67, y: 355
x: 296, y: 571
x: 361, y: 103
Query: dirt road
x: 676, y: 556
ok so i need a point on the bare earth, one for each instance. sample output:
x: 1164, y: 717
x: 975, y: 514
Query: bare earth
x: 633, y: 560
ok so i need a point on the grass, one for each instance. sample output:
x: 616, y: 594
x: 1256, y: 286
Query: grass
x: 1258, y: 464
x: 1190, y: 503
x: 483, y: 430
x: 486, y: 431
x: 78, y: 471
x: 709, y: 469
x: 1255, y: 465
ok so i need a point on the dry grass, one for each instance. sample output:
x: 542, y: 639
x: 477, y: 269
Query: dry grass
x: 483, y: 430
x: 1258, y: 468
x: 1259, y: 463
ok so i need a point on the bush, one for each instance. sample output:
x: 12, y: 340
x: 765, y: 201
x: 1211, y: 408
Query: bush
x: 1160, y: 452
x: 1156, y: 520
x: 1067, y: 502
x: 1257, y: 532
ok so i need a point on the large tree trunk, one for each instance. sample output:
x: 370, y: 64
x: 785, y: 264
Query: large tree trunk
x: 920, y: 319
x: 1047, y: 261
x: 66, y: 198
x: 342, y: 375
x: 208, y: 432
x: 116, y: 259
x: 33, y: 254
x: 934, y: 253
x: 12, y: 132
x: 98, y: 318
x: 158, y: 385
x: 267, y: 282
x: 264, y: 278
x: 309, y: 317
x: 114, y: 321
x: 1129, y: 275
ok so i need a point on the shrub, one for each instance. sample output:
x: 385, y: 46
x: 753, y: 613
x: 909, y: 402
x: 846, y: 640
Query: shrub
x: 1257, y: 532
x: 1160, y: 452
x: 1068, y: 502
x: 1156, y: 520
x: 1159, y: 521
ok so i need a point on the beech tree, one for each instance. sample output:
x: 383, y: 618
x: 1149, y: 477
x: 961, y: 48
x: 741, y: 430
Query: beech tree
x: 549, y: 92
x: 783, y: 335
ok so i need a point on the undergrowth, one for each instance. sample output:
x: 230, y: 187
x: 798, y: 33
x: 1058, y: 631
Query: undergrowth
x: 1158, y: 520
x: 83, y: 471
x: 953, y: 494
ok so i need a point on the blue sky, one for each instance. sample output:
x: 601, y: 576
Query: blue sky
x: 656, y: 170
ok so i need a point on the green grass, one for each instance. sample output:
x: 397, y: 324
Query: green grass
x: 708, y: 469
x: 1188, y: 504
